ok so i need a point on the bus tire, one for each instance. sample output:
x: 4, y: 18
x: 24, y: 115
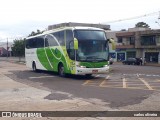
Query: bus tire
x: 34, y: 67
x: 61, y: 70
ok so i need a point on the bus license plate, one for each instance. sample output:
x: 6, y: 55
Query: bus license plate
x: 94, y: 71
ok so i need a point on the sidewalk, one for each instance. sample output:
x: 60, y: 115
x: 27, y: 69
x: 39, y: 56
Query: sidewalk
x: 16, y: 96
x: 13, y: 59
x: 146, y: 64
x: 152, y: 64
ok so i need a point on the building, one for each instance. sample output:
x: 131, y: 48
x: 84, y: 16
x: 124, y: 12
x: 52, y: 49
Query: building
x: 125, y: 47
x: 137, y: 42
x: 3, y: 52
x: 148, y: 45
x: 72, y: 24
x: 3, y: 49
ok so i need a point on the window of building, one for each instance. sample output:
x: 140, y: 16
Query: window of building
x: 158, y: 40
x: 132, y: 40
x: 119, y: 40
x: 131, y: 54
x: 151, y: 57
x: 148, y: 40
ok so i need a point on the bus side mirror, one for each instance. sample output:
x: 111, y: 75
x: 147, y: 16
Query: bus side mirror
x: 111, y: 40
x: 75, y: 44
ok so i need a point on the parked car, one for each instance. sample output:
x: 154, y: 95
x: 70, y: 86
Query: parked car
x: 131, y: 61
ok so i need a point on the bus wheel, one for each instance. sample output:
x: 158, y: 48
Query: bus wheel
x: 34, y: 67
x: 61, y: 70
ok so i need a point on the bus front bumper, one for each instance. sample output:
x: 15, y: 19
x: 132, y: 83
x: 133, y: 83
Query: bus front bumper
x: 80, y: 70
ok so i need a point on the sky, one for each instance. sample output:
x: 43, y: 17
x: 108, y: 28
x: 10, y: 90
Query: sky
x: 18, y: 18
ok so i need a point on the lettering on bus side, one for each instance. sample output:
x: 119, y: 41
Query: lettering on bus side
x: 30, y: 52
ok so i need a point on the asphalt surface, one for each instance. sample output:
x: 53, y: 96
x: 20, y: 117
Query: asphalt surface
x: 124, y: 88
x: 124, y: 85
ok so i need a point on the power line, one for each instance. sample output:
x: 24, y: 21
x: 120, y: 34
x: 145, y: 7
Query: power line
x: 136, y: 17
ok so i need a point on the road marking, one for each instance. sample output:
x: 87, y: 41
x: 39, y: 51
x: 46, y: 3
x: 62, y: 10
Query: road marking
x: 137, y: 87
x: 114, y: 82
x: 40, y: 77
x: 103, y: 82
x: 135, y: 84
x: 87, y: 81
x: 146, y: 83
x: 124, y: 83
x: 127, y: 83
x: 157, y: 80
x: 107, y: 77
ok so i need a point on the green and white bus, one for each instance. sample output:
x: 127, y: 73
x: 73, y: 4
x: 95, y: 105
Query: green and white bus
x: 69, y: 50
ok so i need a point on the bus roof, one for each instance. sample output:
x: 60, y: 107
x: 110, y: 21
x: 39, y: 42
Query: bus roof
x: 65, y: 28
x: 74, y: 24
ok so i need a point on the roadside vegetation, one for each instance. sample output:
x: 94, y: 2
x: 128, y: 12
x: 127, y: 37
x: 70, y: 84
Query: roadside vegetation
x: 18, y: 48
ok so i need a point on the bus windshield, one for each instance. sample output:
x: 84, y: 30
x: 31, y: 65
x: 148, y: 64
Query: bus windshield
x: 92, y: 46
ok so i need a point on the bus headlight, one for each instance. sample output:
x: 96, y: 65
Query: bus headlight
x: 105, y: 66
x: 81, y: 66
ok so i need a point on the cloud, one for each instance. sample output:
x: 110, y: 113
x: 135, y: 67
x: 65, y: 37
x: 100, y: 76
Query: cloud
x: 21, y: 17
x: 22, y: 29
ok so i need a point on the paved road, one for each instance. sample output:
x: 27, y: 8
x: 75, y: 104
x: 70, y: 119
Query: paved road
x: 135, y: 88
x: 124, y: 85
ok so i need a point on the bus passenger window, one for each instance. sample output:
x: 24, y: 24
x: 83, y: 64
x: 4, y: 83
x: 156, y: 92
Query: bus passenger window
x: 69, y: 37
x: 46, y: 42
x: 40, y: 42
x: 60, y: 37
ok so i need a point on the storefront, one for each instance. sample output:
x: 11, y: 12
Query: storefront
x: 131, y: 54
x: 152, y: 57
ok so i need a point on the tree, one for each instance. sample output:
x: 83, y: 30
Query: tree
x: 32, y: 34
x: 18, y: 48
x: 142, y: 24
x: 35, y: 33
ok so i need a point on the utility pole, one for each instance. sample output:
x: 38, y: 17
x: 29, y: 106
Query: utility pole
x: 7, y: 47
